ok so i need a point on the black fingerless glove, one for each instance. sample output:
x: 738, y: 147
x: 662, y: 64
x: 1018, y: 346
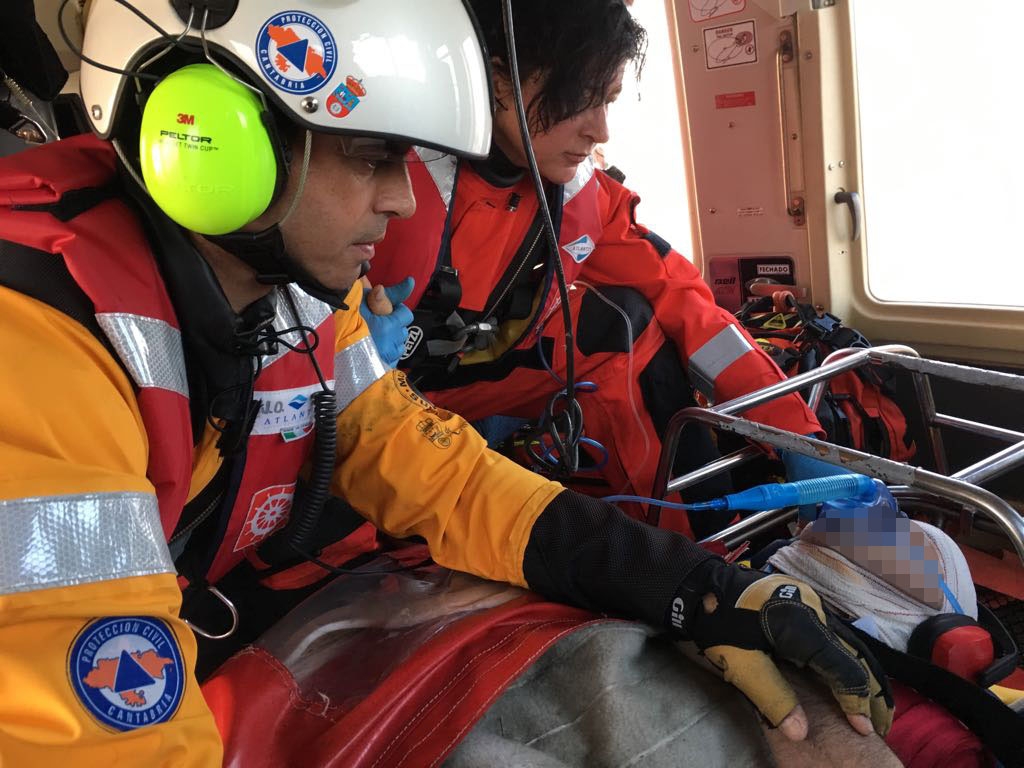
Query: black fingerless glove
x: 745, y: 616
x: 585, y: 552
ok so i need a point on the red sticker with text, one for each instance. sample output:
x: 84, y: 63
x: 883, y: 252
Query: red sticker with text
x: 733, y: 100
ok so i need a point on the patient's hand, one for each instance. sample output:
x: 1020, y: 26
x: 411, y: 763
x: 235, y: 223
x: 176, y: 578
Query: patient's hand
x: 830, y: 740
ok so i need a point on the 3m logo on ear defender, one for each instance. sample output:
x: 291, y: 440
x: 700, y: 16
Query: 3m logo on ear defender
x: 186, y: 119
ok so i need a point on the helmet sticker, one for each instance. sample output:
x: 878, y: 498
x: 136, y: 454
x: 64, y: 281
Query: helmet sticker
x: 296, y: 52
x: 127, y: 671
x: 345, y: 97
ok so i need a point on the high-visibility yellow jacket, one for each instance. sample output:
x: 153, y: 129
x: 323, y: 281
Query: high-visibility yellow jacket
x: 95, y: 663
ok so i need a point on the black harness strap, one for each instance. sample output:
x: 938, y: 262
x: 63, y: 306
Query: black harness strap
x: 998, y: 726
x: 45, y: 277
x: 439, y: 325
x: 441, y: 296
x: 72, y: 202
x: 26, y: 53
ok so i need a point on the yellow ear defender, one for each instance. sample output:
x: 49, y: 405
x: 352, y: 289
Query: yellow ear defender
x: 208, y: 159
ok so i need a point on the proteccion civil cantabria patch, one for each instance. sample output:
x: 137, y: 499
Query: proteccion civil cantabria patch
x: 127, y: 671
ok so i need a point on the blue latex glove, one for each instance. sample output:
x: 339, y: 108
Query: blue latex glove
x: 800, y: 467
x: 389, y: 332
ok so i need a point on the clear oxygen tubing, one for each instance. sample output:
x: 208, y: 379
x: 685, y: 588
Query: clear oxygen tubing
x: 775, y: 495
x: 629, y: 367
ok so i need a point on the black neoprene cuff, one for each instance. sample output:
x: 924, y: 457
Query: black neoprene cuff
x: 585, y: 552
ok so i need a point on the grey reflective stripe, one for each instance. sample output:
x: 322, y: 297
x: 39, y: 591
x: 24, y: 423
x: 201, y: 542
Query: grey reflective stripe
x: 442, y: 171
x: 356, y: 367
x: 722, y: 350
x: 60, y: 541
x: 149, y: 348
x: 584, y: 173
x: 312, y: 312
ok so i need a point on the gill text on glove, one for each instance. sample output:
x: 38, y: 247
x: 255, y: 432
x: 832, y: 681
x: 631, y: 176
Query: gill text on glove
x: 736, y: 617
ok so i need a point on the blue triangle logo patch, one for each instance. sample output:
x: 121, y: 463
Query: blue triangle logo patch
x: 295, y: 53
x: 130, y: 675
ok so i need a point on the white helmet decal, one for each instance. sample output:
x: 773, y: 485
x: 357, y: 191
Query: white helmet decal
x: 409, y: 70
x: 296, y: 52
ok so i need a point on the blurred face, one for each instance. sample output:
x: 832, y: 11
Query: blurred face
x: 353, y: 188
x: 562, y: 147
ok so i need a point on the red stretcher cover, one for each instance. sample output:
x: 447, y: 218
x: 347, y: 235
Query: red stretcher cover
x: 381, y: 670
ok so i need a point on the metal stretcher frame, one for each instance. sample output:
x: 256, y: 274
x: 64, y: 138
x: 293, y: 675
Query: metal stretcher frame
x: 906, y: 480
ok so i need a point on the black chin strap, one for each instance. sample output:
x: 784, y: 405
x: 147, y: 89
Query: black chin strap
x: 264, y: 251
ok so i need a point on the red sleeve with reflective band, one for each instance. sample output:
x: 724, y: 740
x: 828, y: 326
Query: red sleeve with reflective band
x: 721, y: 358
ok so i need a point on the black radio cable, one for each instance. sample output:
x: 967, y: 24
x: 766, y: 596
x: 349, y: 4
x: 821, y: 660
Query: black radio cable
x: 564, y: 409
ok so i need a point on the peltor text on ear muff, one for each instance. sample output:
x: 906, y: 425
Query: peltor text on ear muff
x: 206, y: 156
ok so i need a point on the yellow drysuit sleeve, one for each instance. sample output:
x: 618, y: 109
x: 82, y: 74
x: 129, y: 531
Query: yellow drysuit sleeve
x: 81, y: 548
x: 413, y: 469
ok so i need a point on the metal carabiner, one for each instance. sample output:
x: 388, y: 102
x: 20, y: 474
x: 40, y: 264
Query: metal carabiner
x: 231, y: 608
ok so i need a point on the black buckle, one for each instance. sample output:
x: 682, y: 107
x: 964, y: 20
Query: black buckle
x: 822, y: 324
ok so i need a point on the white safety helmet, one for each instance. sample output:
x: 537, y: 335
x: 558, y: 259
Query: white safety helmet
x: 418, y: 63
x: 211, y: 152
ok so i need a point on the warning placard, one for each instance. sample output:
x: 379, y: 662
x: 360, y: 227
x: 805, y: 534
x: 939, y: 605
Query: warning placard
x: 734, y: 100
x: 705, y: 10
x: 730, y: 45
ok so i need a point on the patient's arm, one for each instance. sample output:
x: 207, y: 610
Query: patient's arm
x: 830, y: 741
